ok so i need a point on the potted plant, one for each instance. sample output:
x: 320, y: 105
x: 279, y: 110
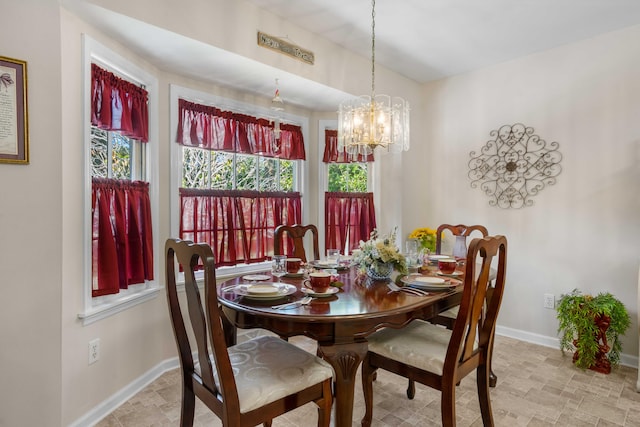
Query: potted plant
x: 590, y: 326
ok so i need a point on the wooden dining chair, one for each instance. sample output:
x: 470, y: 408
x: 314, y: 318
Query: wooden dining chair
x: 447, y: 318
x: 438, y: 357
x: 244, y: 384
x: 297, y: 233
x: 458, y: 230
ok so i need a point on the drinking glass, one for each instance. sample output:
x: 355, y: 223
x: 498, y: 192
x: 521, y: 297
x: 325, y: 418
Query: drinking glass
x: 279, y: 266
x: 333, y: 256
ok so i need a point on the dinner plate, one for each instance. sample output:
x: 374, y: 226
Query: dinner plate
x: 263, y: 289
x: 426, y: 282
x: 325, y: 264
x: 255, y: 277
x: 282, y: 290
x: 327, y: 293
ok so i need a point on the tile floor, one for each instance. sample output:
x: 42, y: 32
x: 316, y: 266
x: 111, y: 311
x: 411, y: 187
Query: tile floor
x: 537, y: 386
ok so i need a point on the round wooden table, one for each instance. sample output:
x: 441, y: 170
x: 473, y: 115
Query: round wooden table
x: 339, y: 323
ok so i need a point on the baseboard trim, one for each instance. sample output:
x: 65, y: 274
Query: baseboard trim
x: 110, y: 404
x: 554, y: 342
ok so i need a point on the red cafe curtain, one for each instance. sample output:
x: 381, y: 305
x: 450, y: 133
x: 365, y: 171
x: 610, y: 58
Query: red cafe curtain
x: 238, y: 225
x: 118, y: 105
x: 349, y: 218
x: 333, y: 155
x: 208, y: 127
x: 122, y: 242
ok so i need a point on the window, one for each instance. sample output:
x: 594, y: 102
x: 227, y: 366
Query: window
x: 116, y: 156
x: 121, y: 183
x: 349, y: 213
x: 231, y: 171
x: 233, y: 183
x: 348, y: 177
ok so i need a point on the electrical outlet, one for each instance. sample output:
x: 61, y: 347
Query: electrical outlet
x: 94, y: 350
x: 549, y: 301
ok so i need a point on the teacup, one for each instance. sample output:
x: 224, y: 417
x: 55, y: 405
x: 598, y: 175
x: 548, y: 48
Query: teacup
x: 318, y: 282
x: 293, y: 265
x: 447, y: 265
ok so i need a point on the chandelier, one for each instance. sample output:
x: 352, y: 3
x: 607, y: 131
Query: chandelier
x: 368, y: 122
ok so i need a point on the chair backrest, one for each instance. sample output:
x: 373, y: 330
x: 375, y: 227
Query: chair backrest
x: 458, y: 230
x: 296, y: 233
x: 474, y: 327
x: 206, y: 326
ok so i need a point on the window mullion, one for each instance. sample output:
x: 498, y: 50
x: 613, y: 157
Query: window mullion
x: 109, y: 154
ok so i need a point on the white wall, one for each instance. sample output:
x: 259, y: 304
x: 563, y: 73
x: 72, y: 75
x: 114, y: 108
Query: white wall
x: 30, y: 226
x: 583, y: 232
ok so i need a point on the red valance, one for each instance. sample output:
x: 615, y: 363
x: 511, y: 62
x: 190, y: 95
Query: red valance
x: 122, y: 242
x: 238, y: 225
x: 118, y: 105
x: 208, y: 127
x: 349, y: 218
x: 333, y: 155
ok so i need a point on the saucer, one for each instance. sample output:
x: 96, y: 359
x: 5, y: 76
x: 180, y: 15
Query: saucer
x: 300, y: 273
x: 327, y: 293
x: 455, y: 273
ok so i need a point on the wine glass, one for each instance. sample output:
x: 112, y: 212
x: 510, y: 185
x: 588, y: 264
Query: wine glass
x: 279, y: 266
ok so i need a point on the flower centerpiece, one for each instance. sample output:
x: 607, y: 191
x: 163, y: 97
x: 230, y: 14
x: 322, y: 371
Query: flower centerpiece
x: 379, y: 256
x: 426, y: 237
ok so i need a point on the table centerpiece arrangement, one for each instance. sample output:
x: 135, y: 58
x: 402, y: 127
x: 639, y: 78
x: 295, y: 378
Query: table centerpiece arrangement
x: 379, y: 256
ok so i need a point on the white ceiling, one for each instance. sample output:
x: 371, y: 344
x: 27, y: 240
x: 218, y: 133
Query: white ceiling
x: 423, y: 40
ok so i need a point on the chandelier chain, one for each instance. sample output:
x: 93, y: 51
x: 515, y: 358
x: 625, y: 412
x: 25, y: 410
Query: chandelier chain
x: 373, y: 49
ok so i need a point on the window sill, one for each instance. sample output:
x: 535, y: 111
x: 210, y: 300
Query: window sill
x: 109, y: 309
x: 225, y: 273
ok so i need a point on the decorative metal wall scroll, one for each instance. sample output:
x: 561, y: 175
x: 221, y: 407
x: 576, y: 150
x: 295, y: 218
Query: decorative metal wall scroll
x: 514, y: 166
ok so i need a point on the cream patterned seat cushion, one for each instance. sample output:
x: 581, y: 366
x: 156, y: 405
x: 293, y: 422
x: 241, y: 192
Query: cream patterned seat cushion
x: 420, y: 344
x: 268, y: 368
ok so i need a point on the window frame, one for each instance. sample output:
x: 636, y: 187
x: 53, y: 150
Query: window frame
x: 97, y: 308
x: 175, y: 153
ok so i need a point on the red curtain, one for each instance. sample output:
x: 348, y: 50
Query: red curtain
x: 333, y: 155
x: 348, y: 216
x: 122, y: 239
x: 238, y: 225
x: 118, y: 105
x: 208, y: 127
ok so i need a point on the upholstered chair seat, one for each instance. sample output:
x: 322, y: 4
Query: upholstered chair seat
x: 263, y: 375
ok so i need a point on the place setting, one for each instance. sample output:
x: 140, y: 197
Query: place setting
x: 262, y: 290
x: 429, y: 283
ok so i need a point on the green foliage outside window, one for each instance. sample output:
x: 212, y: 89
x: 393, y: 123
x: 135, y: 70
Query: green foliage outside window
x: 348, y: 177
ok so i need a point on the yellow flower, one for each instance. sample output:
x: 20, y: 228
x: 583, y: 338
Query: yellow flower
x: 426, y: 236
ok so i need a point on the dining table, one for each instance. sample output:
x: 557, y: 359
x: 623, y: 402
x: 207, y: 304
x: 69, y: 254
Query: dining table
x: 339, y: 320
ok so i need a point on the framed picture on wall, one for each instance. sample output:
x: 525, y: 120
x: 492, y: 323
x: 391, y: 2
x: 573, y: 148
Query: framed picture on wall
x: 14, y: 129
